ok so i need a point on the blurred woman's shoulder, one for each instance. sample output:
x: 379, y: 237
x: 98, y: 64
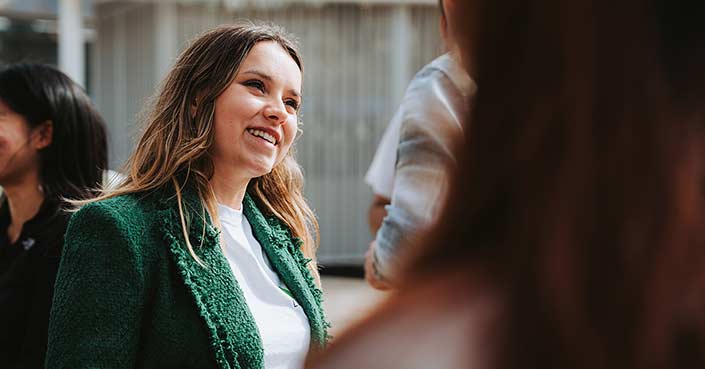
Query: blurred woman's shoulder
x: 443, y: 324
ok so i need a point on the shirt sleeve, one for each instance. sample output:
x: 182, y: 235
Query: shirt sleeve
x: 98, y: 296
x: 380, y: 175
x: 430, y: 128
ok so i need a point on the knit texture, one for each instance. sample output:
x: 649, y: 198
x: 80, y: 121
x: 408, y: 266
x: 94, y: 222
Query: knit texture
x: 129, y: 294
x: 284, y: 252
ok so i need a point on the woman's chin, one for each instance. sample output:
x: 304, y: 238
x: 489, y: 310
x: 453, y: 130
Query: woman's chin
x: 260, y: 169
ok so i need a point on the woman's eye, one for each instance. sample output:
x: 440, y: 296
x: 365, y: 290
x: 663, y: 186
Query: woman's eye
x: 293, y: 103
x: 256, y: 84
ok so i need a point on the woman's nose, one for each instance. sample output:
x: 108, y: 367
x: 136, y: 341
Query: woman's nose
x: 276, y: 112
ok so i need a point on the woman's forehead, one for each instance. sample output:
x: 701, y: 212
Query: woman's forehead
x: 270, y: 59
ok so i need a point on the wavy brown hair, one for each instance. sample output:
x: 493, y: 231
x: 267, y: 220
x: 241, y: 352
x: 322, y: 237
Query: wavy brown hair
x: 176, y: 143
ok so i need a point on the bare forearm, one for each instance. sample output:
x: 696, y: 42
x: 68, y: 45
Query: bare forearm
x: 377, y: 213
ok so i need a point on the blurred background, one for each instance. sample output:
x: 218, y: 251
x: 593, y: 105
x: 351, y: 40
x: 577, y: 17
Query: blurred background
x: 358, y: 58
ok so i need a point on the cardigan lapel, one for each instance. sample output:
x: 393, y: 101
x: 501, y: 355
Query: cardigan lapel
x: 235, y: 339
x: 284, y: 253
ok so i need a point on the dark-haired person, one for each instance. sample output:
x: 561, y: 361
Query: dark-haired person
x: 575, y: 233
x: 204, y: 256
x: 52, y: 147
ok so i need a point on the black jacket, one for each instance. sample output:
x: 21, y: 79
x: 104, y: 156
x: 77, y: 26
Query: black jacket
x: 27, y: 273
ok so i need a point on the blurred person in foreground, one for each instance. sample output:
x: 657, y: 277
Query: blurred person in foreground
x: 574, y: 233
x: 411, y: 167
x: 204, y: 256
x: 52, y: 147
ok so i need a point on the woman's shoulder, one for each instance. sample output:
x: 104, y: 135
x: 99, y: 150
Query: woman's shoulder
x: 128, y: 205
x: 428, y: 326
x: 119, y: 227
x: 124, y: 211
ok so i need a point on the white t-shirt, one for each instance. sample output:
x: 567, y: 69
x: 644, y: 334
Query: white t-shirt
x: 281, y: 321
x: 380, y: 175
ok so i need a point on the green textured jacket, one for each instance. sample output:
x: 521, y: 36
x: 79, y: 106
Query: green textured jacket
x: 129, y: 295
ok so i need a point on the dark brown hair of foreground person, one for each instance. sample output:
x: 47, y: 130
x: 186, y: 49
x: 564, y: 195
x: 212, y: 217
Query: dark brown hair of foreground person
x: 577, y: 207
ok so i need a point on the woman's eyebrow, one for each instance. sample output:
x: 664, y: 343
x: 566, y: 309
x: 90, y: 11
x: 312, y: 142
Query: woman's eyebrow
x: 258, y: 73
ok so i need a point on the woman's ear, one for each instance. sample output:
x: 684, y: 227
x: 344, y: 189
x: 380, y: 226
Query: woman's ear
x: 42, y: 135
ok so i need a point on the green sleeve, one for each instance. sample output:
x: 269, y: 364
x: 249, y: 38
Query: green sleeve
x: 99, y: 293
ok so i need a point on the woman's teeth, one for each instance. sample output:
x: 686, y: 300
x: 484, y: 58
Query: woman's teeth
x: 269, y: 138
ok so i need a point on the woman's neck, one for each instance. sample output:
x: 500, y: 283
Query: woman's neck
x: 23, y: 200
x: 229, y: 191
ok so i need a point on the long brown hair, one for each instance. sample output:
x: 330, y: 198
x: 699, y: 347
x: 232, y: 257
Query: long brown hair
x: 578, y: 194
x: 176, y: 143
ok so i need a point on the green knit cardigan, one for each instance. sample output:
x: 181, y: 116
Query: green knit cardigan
x: 129, y: 294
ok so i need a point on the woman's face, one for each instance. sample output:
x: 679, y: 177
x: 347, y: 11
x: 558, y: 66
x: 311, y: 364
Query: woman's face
x: 256, y: 116
x: 18, y: 156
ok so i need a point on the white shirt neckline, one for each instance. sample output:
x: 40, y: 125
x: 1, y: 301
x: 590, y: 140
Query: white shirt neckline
x: 281, y: 322
x: 230, y: 215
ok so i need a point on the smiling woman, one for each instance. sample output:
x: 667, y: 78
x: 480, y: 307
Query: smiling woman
x: 204, y: 257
